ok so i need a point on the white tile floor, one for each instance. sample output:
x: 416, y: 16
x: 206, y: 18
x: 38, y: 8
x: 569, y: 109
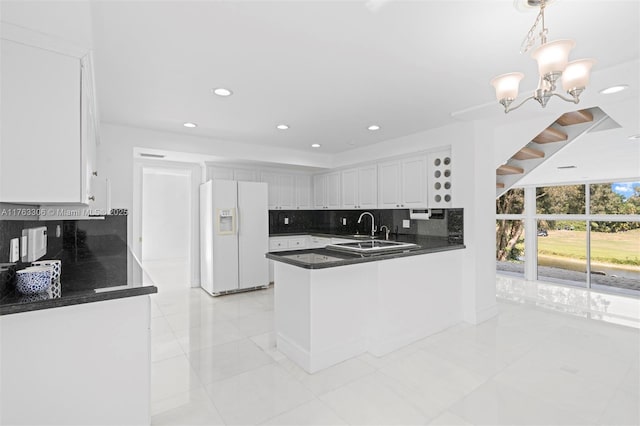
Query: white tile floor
x: 215, y: 362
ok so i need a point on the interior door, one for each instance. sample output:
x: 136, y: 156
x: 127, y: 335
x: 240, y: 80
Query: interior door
x: 253, y: 234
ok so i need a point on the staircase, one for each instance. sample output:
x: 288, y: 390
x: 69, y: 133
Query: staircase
x: 566, y: 129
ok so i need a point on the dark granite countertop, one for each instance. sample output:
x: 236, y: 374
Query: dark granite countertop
x: 13, y: 302
x: 320, y: 258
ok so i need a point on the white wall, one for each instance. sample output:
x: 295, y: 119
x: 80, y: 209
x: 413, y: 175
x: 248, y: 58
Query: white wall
x: 115, y: 154
x: 166, y: 214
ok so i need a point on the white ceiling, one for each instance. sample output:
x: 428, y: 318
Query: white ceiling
x: 328, y: 69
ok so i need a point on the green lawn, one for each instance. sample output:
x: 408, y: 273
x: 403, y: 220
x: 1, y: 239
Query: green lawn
x: 622, y: 248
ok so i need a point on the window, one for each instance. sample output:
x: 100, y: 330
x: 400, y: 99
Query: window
x: 511, y: 202
x: 562, y: 251
x: 510, y: 247
x: 615, y: 255
x: 586, y: 235
x: 560, y: 199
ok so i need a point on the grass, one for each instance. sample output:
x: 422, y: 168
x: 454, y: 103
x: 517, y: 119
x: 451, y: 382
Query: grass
x: 621, y: 248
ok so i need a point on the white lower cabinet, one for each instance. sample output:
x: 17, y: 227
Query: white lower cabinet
x: 60, y: 365
x: 318, y: 242
x: 297, y: 242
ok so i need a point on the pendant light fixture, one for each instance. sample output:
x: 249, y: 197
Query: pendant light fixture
x: 553, y: 64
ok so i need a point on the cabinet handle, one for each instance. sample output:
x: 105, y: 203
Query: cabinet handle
x: 95, y: 173
x: 92, y: 198
x: 397, y: 205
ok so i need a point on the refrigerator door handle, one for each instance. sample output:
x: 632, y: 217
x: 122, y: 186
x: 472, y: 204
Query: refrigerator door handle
x: 237, y: 221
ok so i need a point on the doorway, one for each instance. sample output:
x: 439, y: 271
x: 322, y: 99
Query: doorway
x: 166, y: 226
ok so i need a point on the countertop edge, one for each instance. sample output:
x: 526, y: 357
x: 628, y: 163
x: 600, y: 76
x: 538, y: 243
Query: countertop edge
x: 17, y: 308
x: 278, y: 257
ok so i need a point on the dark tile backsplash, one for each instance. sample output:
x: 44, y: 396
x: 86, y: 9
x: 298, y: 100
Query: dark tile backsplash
x: 93, y: 252
x: 331, y: 222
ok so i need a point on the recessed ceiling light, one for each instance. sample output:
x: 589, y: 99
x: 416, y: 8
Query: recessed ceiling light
x: 634, y: 137
x: 315, y: 145
x: 614, y: 89
x: 282, y: 127
x: 567, y: 167
x: 374, y: 127
x: 221, y: 91
x: 190, y: 125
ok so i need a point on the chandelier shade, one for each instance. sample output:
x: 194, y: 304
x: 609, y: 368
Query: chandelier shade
x: 507, y: 85
x: 553, y: 57
x: 576, y: 75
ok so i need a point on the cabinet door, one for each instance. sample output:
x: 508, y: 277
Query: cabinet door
x: 244, y: 175
x: 350, y: 189
x: 272, y: 182
x: 319, y: 184
x: 89, y: 140
x: 332, y: 190
x: 41, y: 112
x: 303, y: 191
x: 286, y: 187
x: 368, y: 187
x: 389, y: 185
x: 215, y: 172
x: 413, y: 182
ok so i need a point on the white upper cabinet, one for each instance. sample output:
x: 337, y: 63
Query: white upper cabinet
x: 245, y: 175
x: 368, y: 187
x: 413, y: 185
x: 303, y: 191
x: 231, y: 173
x: 350, y: 189
x: 281, y: 190
x: 389, y: 185
x: 402, y: 183
x: 319, y: 185
x: 216, y: 172
x: 332, y: 189
x: 44, y: 158
x: 359, y: 188
x: 327, y: 191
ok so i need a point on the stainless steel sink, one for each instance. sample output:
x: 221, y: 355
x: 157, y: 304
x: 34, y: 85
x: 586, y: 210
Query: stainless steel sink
x: 371, y: 246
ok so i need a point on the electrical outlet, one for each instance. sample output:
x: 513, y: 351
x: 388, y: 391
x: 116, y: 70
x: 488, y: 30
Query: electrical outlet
x: 406, y: 223
x: 14, y: 250
x: 286, y: 220
x: 23, y: 248
x: 344, y: 220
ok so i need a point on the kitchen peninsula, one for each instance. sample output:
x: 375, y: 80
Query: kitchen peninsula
x: 333, y: 305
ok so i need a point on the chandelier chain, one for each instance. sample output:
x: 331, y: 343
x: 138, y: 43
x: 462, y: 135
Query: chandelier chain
x: 530, y: 38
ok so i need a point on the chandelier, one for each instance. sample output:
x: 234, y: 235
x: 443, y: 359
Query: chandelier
x: 552, y: 58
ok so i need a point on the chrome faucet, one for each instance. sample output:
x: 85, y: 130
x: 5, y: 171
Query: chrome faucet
x: 386, y: 234
x: 373, y: 225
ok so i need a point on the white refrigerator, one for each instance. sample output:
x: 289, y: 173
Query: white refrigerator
x: 234, y: 226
